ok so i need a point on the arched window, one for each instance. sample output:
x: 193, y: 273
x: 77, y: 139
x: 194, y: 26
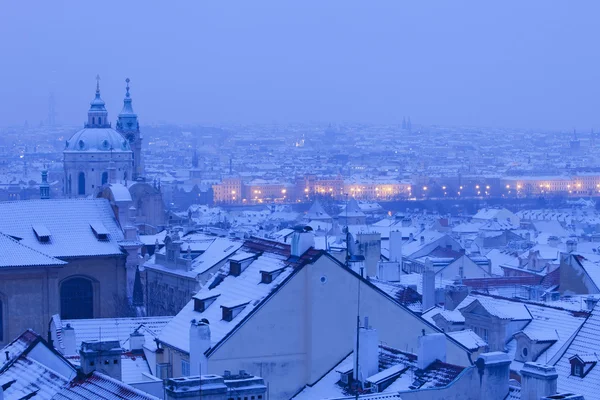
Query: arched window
x: 104, y: 178
x: 99, y: 120
x: 81, y: 183
x: 125, y: 175
x: 76, y: 299
x: 93, y: 120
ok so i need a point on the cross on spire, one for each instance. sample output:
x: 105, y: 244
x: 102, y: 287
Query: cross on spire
x: 127, y: 87
x: 98, y: 83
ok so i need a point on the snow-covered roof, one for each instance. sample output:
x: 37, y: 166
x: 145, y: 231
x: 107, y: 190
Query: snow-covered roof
x: 15, y: 254
x: 468, y: 338
x: 245, y: 289
x: 585, y: 341
x: 115, y: 328
x: 68, y: 221
x: 501, y: 308
x: 120, y: 192
x: 101, y: 386
x: 393, y: 364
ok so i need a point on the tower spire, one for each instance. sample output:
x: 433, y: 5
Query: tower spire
x: 97, y: 115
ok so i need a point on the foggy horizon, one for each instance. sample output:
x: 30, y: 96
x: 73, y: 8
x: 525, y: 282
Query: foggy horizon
x: 460, y: 64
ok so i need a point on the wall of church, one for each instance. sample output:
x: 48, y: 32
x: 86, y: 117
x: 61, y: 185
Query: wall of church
x: 93, y: 165
x: 29, y: 297
x: 109, y: 280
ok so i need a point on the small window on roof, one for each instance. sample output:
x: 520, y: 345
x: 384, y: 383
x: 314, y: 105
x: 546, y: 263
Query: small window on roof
x: 201, y: 304
x: 231, y: 311
x: 99, y: 230
x: 41, y: 233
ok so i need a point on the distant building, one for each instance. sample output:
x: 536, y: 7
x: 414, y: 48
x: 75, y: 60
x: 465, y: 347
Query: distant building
x: 94, y: 152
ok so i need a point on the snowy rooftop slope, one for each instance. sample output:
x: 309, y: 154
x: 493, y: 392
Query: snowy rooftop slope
x: 115, y: 328
x: 468, y: 338
x: 17, y: 254
x: 501, y: 308
x: 67, y: 220
x: 99, y: 386
x: 14, y: 349
x: 586, y: 341
x: 31, y: 377
x: 245, y: 290
x: 392, y: 363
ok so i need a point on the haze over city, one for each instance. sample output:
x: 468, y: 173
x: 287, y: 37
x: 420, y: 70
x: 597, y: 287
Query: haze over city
x: 511, y: 64
x: 316, y: 200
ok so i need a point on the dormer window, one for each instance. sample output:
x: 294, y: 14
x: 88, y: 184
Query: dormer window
x: 41, y: 233
x: 99, y: 230
x: 581, y: 365
x: 269, y: 275
x: 201, y: 304
x: 237, y: 266
x: 230, y: 311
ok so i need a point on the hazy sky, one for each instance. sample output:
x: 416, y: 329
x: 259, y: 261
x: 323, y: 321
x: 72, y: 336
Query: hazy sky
x: 533, y: 63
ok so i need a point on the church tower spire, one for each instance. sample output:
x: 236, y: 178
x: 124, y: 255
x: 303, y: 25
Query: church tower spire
x: 129, y: 126
x: 97, y: 114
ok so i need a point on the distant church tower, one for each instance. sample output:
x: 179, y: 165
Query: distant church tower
x: 90, y: 152
x: 129, y: 127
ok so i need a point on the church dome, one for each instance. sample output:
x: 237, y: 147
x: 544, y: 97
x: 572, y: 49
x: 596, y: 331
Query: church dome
x: 97, y: 139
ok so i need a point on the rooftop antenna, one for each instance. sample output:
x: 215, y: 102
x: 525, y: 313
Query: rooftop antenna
x: 347, y: 236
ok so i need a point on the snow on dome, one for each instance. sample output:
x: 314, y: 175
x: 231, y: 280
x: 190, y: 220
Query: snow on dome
x: 97, y: 139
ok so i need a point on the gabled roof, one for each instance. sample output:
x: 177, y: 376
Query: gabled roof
x: 352, y: 209
x: 16, y: 254
x: 100, y: 386
x: 245, y: 289
x: 317, y: 212
x: 112, y: 328
x: 496, y: 307
x: 35, y: 370
x: 68, y: 220
x: 586, y: 341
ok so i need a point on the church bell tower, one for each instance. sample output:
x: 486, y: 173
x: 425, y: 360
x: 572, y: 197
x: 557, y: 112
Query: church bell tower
x: 129, y: 127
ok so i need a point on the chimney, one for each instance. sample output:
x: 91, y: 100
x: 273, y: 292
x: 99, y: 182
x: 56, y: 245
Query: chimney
x: 69, y: 340
x: 368, y: 353
x: 395, y: 246
x: 44, y: 186
x: 590, y: 302
x: 136, y: 341
x: 571, y: 245
x: 199, y: 343
x: 493, y: 369
x: 538, y: 380
x: 455, y: 294
x: 432, y: 347
x: 428, y: 276
x: 104, y: 357
x: 422, y: 240
x: 302, y: 241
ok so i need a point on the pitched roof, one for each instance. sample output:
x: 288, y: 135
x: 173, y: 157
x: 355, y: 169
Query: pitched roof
x: 68, y: 221
x: 35, y: 370
x: 235, y: 290
x: 100, y: 386
x: 15, y: 254
x: 317, y: 212
x: 586, y: 341
x: 113, y: 328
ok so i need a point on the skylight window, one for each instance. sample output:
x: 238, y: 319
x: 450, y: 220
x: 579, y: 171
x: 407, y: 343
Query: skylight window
x: 99, y: 230
x: 42, y: 233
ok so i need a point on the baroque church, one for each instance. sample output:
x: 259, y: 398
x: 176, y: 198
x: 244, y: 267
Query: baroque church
x: 79, y: 256
x: 100, y: 161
